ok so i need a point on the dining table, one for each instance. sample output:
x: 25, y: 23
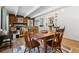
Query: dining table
x: 45, y: 36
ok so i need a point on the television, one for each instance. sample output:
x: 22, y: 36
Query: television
x: 18, y: 27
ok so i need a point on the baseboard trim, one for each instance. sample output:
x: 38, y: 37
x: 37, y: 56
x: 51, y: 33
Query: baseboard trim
x: 65, y: 37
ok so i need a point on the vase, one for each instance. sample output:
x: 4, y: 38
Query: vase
x: 50, y: 28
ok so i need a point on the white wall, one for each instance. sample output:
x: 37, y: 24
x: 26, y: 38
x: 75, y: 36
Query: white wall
x: 70, y: 18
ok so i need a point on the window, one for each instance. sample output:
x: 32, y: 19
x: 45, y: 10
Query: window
x: 4, y: 19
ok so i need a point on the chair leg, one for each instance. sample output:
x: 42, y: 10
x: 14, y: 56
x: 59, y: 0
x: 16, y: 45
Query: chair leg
x: 38, y: 49
x: 10, y: 43
x: 29, y: 50
x: 45, y: 46
x: 54, y: 50
x: 25, y: 50
x: 34, y: 49
x: 60, y: 50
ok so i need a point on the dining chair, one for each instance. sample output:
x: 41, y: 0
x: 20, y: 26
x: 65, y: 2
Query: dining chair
x: 55, y: 43
x: 30, y: 43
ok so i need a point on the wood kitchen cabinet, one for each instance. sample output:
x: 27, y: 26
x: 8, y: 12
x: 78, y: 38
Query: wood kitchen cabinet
x: 12, y: 19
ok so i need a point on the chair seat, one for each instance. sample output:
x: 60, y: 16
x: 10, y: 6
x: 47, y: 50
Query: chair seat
x: 33, y: 45
x: 54, y: 44
x: 49, y: 42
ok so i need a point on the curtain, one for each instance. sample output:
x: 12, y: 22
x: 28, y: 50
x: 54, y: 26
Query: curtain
x: 4, y: 20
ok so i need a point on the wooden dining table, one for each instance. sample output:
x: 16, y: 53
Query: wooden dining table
x: 43, y: 36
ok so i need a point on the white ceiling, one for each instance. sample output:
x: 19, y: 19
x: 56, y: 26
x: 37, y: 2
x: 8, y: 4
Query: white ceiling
x: 31, y: 11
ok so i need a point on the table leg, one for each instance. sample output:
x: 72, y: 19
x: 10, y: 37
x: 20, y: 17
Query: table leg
x: 45, y: 46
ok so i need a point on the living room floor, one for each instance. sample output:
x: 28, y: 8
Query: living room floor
x: 68, y: 46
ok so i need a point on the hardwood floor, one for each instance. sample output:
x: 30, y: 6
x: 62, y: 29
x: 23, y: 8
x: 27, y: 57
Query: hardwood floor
x: 68, y: 45
x: 71, y: 45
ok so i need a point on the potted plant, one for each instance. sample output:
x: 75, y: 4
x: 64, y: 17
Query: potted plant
x: 51, y: 23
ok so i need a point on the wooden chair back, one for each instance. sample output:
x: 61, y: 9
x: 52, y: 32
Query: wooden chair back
x: 58, y: 36
x: 27, y: 38
x: 29, y: 42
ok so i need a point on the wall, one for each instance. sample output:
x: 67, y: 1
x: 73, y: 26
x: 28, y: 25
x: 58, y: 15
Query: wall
x: 69, y: 17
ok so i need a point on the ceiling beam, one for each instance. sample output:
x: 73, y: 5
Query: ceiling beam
x: 47, y: 11
x: 16, y: 12
x: 34, y: 9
